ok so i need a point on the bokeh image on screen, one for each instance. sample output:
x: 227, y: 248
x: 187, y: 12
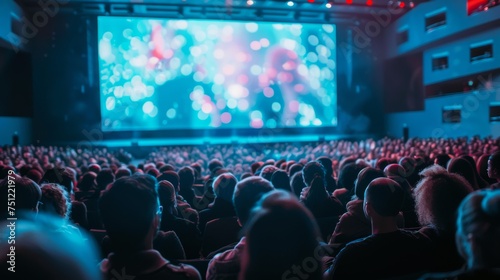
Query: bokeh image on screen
x: 198, y: 74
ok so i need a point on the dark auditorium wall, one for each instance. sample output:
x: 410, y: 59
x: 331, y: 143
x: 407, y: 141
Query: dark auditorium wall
x: 16, y: 103
x: 66, y: 92
x: 66, y: 85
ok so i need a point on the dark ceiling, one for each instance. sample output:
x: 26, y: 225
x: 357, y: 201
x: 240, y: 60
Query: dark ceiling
x: 266, y: 10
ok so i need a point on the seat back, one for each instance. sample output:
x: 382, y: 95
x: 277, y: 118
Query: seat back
x: 219, y: 233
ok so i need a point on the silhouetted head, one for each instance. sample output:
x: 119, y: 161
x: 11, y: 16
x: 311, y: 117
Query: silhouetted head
x: 312, y: 170
x: 130, y: 212
x: 170, y: 176
x: 55, y: 200
x: 365, y: 176
x: 268, y: 171
x: 383, y: 197
x: 478, y: 229
x: 281, y: 180
x: 50, y: 255
x: 27, y: 194
x: 247, y: 193
x: 463, y: 168
x: 278, y: 221
x: 494, y: 166
x: 437, y: 197
x: 224, y: 186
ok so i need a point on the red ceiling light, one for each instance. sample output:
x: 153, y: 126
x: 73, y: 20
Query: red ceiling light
x: 348, y: 2
x: 401, y: 4
x: 310, y: 1
x: 369, y: 2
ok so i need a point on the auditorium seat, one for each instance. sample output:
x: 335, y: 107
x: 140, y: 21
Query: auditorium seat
x: 219, y: 233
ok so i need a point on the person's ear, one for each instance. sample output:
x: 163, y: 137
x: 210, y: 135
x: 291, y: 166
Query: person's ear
x: 239, y: 222
x: 460, y: 243
x: 157, y: 218
x: 367, y: 208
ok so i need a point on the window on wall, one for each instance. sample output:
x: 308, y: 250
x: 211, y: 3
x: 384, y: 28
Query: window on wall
x: 481, y: 51
x: 495, y: 112
x: 452, y: 114
x: 435, y: 20
x: 477, y: 6
x: 440, y: 61
x: 402, y: 36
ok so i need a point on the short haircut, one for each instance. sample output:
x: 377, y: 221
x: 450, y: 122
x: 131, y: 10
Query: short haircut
x: 94, y: 167
x: 268, y: 171
x: 247, y: 193
x: 122, y: 172
x: 281, y: 234
x: 297, y: 183
x: 153, y: 171
x: 170, y: 176
x: 127, y: 209
x: 326, y: 162
x: 224, y: 186
x: 197, y: 169
x: 281, y: 180
x: 395, y: 169
x: 442, y: 160
x: 215, y: 164
x: 27, y: 194
x: 87, y: 182
x: 186, y: 177
x: 167, y: 167
x: 245, y: 175
x: 61, y: 176
x: 255, y: 166
x: 34, y: 175
x: 311, y: 170
x: 495, y: 160
x: 382, y: 163
x: 385, y: 196
x: 104, y: 178
x: 166, y: 194
x: 295, y: 168
x: 348, y: 174
x: 365, y: 176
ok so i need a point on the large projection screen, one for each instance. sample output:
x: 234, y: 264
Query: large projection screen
x: 162, y: 74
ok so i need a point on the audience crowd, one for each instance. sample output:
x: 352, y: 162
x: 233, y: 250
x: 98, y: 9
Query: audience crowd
x: 369, y: 209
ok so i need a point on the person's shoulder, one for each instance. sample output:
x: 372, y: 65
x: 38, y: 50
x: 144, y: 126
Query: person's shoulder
x: 226, y: 263
x: 184, y: 271
x: 428, y: 231
x: 358, y: 244
x: 495, y: 186
x: 226, y: 256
